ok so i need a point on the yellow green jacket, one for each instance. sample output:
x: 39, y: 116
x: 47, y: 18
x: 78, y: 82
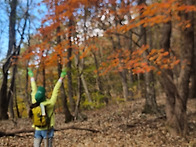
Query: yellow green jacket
x: 49, y: 103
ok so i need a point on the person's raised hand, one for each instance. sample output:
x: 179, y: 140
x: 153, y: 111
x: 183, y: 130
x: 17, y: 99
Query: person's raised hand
x: 63, y: 73
x: 30, y: 72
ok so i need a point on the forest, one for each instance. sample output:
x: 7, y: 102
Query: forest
x: 130, y: 64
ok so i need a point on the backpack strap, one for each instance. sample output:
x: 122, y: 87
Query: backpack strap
x: 34, y: 105
x: 31, y: 107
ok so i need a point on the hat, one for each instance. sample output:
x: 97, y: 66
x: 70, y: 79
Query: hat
x: 40, y: 94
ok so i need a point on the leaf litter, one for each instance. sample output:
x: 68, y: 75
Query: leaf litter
x: 117, y: 125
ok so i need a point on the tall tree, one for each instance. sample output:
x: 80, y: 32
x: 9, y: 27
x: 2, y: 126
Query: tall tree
x: 150, y: 104
x: 177, y: 94
x: 123, y: 73
x: 69, y: 64
x: 4, y: 101
x: 192, y: 93
x: 6, y: 95
x: 68, y: 116
x: 15, y: 55
x: 81, y: 64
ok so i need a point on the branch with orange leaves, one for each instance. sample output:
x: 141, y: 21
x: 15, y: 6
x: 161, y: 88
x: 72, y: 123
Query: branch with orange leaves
x: 156, y: 59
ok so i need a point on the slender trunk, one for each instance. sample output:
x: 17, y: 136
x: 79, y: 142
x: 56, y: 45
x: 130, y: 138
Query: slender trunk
x: 123, y: 75
x: 192, y: 93
x: 124, y: 85
x: 130, y: 47
x: 68, y: 116
x: 79, y: 91
x: 150, y: 103
x: 108, y: 87
x: 12, y: 24
x: 81, y: 64
x: 98, y: 79
x: 118, y: 46
x: 130, y: 72
x: 67, y: 113
x: 193, y: 82
x: 16, y: 103
x: 86, y: 88
x: 69, y: 67
x: 3, y: 97
x: 11, y: 91
x: 77, y: 109
x: 27, y: 97
x: 44, y: 75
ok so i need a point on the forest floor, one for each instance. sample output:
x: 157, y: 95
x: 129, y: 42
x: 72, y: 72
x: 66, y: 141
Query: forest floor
x: 118, y: 125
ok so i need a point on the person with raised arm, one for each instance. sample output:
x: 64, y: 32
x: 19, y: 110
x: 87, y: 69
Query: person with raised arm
x: 44, y: 132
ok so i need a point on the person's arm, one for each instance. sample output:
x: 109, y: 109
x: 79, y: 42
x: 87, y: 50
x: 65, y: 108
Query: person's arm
x: 56, y: 89
x: 33, y: 85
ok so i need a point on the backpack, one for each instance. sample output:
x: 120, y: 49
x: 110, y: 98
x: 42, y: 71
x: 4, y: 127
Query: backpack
x: 39, y: 119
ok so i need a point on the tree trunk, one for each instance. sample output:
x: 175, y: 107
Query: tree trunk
x: 193, y: 81
x: 130, y: 49
x: 108, y: 87
x: 177, y: 95
x: 80, y: 65
x: 79, y: 91
x: 3, y: 97
x: 173, y: 105
x: 27, y: 95
x: 187, y: 50
x: 123, y: 75
x: 167, y: 80
x: 69, y: 67
x: 44, y: 74
x: 150, y: 104
x: 98, y: 78
x: 86, y: 88
x: 117, y: 46
x: 192, y: 93
x: 11, y: 91
x: 68, y: 116
x: 16, y: 103
x: 124, y: 85
x: 80, y: 81
x: 12, y: 40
